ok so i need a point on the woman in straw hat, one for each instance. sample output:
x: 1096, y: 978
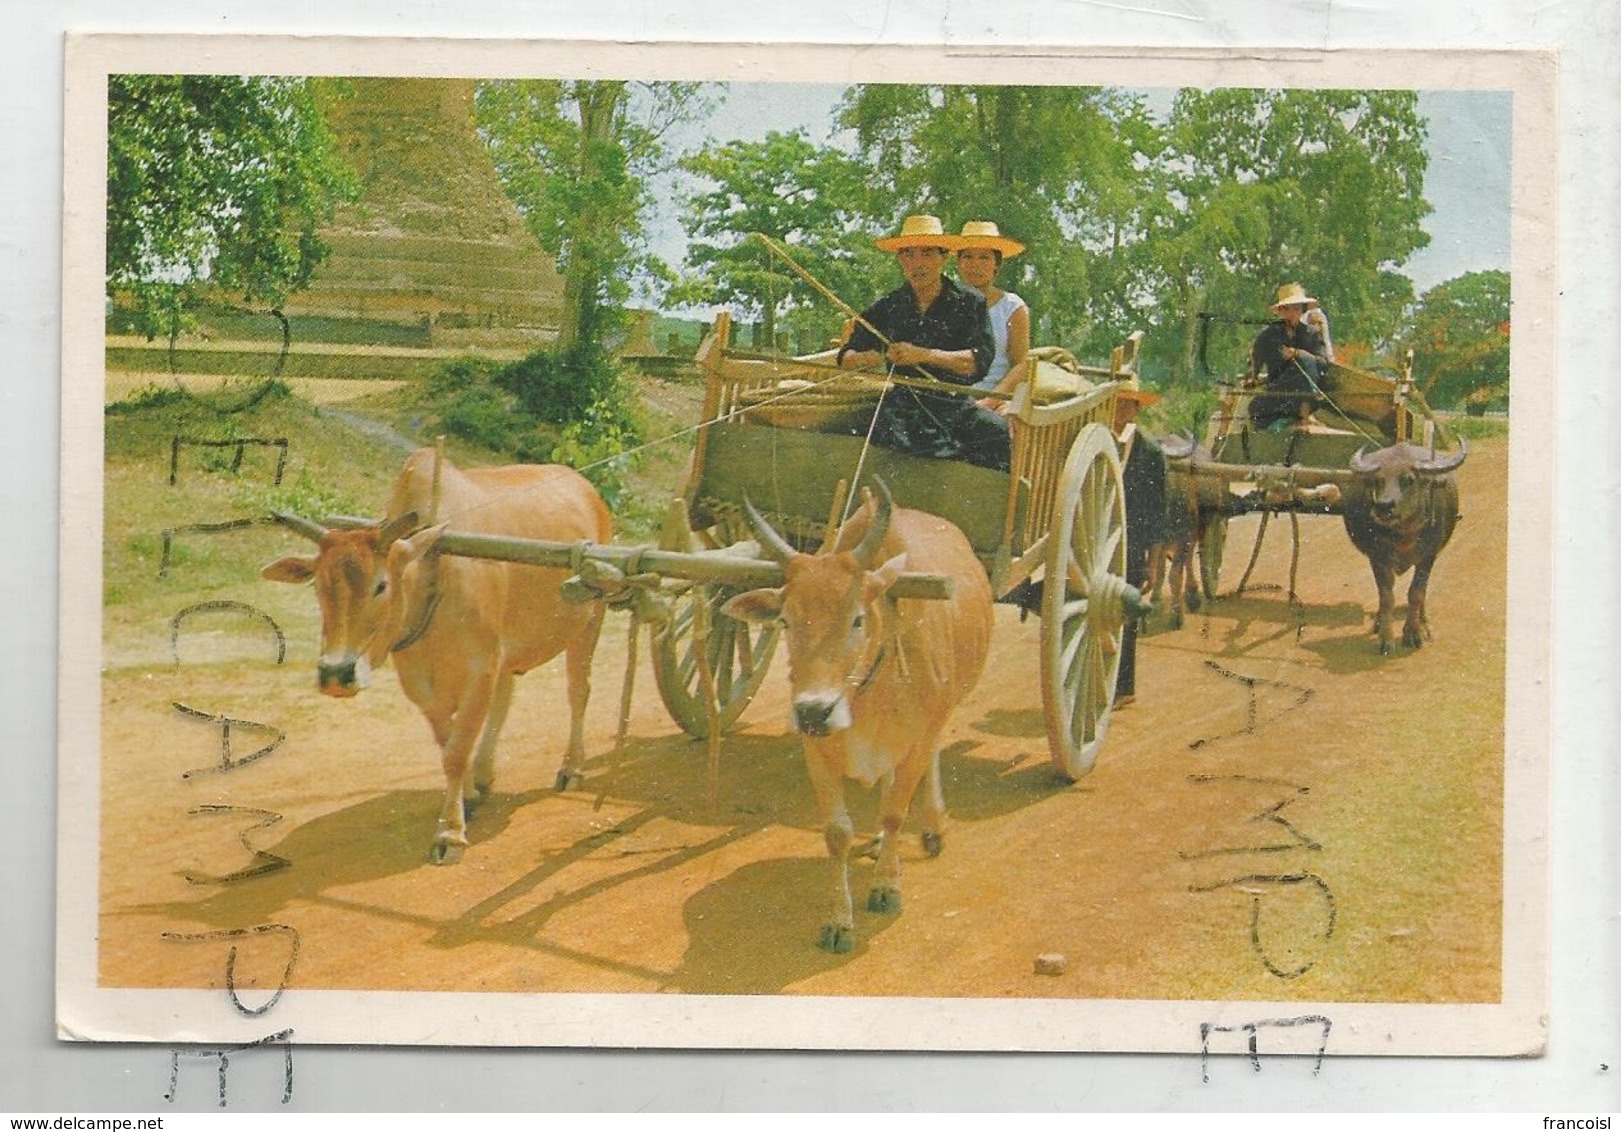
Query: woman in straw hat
x: 1290, y: 352
x: 981, y: 248
x: 929, y: 326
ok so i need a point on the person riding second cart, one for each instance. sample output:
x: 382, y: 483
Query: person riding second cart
x: 1290, y: 352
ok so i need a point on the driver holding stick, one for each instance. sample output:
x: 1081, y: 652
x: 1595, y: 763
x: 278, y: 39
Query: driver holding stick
x: 929, y: 327
x: 1291, y: 353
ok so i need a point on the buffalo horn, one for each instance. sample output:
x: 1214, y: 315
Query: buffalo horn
x: 309, y: 528
x: 1445, y: 463
x: 866, y: 551
x: 1361, y: 464
x: 775, y: 546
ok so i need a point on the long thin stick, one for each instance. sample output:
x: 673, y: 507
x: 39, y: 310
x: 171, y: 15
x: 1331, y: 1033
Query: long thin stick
x: 782, y: 253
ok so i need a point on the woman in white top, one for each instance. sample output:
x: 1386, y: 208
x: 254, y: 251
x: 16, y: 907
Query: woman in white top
x: 980, y: 252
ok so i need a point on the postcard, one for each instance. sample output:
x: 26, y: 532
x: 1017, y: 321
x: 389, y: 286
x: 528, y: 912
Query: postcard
x: 461, y: 647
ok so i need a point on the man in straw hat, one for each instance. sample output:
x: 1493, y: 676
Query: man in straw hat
x: 1290, y: 352
x: 929, y: 327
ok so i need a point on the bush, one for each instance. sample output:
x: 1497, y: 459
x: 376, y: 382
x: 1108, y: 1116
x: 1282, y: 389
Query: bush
x: 546, y: 408
x: 470, y: 404
x: 597, y: 447
x: 303, y: 496
x: 560, y: 388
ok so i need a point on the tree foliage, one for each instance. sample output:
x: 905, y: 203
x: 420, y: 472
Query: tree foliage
x: 1460, y: 338
x: 214, y: 180
x: 1256, y: 188
x: 576, y: 157
x: 812, y: 199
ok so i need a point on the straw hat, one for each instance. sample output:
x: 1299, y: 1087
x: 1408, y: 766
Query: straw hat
x: 985, y: 234
x: 919, y: 232
x: 1292, y: 295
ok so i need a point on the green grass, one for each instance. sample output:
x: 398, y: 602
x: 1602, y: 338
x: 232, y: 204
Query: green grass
x: 1476, y: 428
x: 332, y: 468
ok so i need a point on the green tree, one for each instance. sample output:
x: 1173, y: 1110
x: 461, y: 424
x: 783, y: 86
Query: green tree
x: 576, y: 156
x: 1057, y: 168
x: 1256, y: 188
x: 214, y: 181
x: 1459, y: 336
x: 811, y: 199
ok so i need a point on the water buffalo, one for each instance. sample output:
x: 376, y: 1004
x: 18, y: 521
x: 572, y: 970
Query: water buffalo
x: 1400, y: 509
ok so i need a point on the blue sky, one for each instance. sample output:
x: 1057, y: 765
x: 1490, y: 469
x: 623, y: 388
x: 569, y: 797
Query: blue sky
x: 1467, y: 182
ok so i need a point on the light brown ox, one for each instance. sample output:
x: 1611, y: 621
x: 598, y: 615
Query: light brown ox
x: 874, y: 680
x: 459, y: 629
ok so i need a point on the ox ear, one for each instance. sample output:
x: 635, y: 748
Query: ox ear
x: 295, y: 571
x: 879, y: 580
x: 757, y: 607
x: 403, y: 552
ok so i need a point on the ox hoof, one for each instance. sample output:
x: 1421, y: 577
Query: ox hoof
x: 1176, y: 619
x: 1193, y: 601
x: 1413, y: 639
x: 476, y: 797
x: 446, y: 852
x: 933, y: 843
x: 568, y: 780
x: 869, y: 850
x: 1384, y: 648
x: 837, y: 939
x: 884, y: 900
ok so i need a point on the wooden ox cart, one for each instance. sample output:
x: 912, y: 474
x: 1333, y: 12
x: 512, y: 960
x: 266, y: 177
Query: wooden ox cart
x: 1296, y: 469
x: 788, y: 435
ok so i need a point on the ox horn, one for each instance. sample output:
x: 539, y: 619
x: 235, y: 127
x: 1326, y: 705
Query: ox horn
x: 866, y: 551
x: 309, y: 528
x: 775, y: 546
x: 1361, y: 464
x: 1445, y: 463
x: 396, y: 527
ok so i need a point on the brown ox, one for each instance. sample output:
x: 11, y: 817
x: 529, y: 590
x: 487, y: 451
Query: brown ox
x: 1400, y: 510
x: 459, y: 629
x: 874, y: 679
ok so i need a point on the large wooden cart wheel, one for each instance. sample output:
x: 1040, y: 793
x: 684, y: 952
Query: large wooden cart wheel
x: 739, y: 654
x: 1083, y: 614
x: 1212, y: 545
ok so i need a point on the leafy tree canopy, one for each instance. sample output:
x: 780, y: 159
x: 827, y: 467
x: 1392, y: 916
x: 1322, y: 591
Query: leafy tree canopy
x: 1460, y: 338
x: 214, y: 180
x: 576, y: 158
x: 813, y: 200
x: 1256, y: 188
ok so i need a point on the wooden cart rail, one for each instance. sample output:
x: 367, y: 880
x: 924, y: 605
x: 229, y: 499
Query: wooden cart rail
x: 787, y: 446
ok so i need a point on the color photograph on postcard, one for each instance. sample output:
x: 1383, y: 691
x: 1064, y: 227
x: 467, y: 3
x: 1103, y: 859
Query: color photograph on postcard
x: 876, y: 550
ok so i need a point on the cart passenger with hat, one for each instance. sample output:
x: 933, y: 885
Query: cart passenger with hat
x: 932, y: 327
x: 981, y: 249
x: 1290, y: 352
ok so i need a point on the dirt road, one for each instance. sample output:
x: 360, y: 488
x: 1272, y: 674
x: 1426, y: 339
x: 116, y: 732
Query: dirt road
x: 1282, y: 814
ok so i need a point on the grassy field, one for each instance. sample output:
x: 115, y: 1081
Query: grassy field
x: 345, y: 443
